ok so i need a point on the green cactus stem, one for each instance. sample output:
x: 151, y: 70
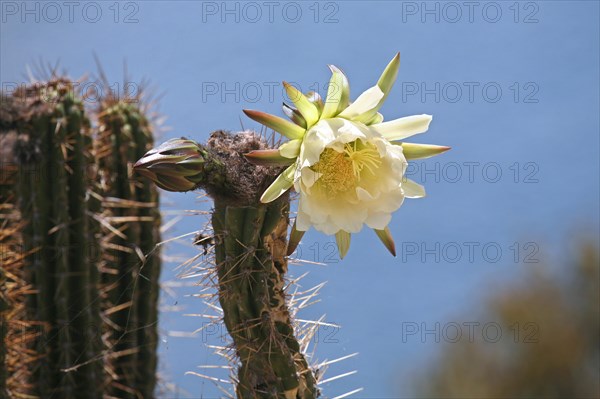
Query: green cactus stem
x: 148, y: 288
x: 50, y: 147
x: 35, y: 208
x: 250, y: 246
x: 83, y: 284
x: 132, y: 261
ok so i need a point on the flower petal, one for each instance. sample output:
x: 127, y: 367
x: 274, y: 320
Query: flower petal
x: 283, y: 183
x: 412, y: 189
x: 174, y: 183
x: 302, y: 221
x: 338, y: 93
x: 280, y: 125
x: 315, y: 98
x: 385, y: 83
x: 367, y: 101
x: 267, y: 158
x: 346, y: 131
x: 309, y: 177
x: 386, y: 238
x: 363, y: 194
x: 315, y: 141
x: 342, y: 238
x: 377, y: 118
x: 388, y: 77
x: 378, y: 220
x: 421, y: 151
x: 402, y: 128
x: 294, y: 115
x: 291, y: 149
x: 308, y: 110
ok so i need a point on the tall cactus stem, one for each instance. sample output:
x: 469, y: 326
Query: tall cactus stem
x: 59, y: 248
x: 36, y: 183
x: 121, y: 279
x: 148, y: 284
x: 133, y: 269
x: 81, y: 286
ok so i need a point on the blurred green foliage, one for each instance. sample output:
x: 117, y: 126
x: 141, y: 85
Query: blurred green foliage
x: 557, y: 357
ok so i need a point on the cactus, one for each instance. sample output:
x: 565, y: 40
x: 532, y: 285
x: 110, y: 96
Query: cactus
x: 250, y: 247
x: 50, y: 150
x: 130, y: 303
x: 67, y: 195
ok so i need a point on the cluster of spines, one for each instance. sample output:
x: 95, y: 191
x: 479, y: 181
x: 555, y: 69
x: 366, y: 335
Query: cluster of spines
x: 17, y: 331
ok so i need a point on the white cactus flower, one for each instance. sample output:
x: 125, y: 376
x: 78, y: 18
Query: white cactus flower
x: 346, y: 163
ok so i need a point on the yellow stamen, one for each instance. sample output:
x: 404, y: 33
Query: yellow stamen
x: 365, y: 157
x: 336, y: 171
x: 341, y: 171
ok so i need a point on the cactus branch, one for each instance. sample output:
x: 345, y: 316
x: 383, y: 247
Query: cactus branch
x: 250, y: 248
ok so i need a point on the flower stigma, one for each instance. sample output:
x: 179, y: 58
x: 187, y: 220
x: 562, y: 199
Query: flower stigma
x: 362, y: 156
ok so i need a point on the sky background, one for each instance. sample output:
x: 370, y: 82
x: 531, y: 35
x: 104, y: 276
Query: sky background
x: 513, y: 88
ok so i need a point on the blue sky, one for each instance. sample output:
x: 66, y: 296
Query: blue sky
x: 513, y: 88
